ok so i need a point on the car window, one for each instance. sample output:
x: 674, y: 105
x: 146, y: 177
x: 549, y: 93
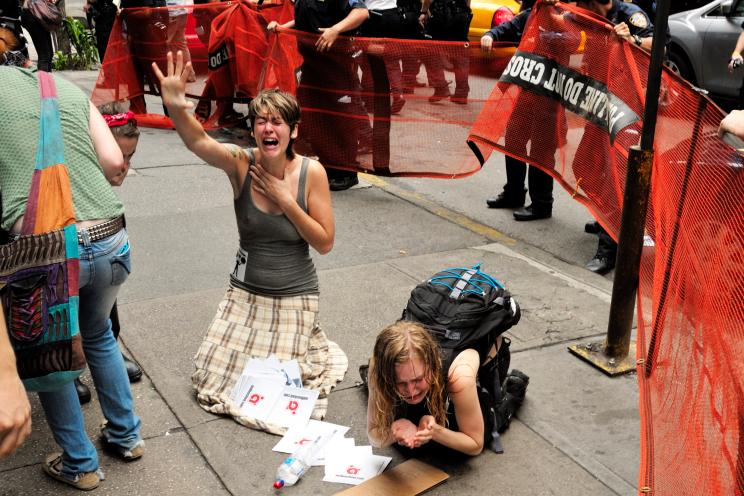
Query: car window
x: 718, y: 11
x: 683, y: 5
x: 738, y: 9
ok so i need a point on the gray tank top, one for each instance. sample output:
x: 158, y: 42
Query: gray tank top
x: 273, y: 259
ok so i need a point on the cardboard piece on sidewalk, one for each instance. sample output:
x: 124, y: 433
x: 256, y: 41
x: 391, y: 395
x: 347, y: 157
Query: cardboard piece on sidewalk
x: 410, y: 478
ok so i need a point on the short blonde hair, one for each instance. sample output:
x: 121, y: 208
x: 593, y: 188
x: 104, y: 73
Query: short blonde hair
x: 276, y: 102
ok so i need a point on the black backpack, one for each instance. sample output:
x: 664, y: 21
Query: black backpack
x: 462, y: 308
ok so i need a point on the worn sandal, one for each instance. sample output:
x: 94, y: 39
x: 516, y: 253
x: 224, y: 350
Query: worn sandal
x: 84, y: 481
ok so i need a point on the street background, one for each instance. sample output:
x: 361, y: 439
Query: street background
x: 577, y: 431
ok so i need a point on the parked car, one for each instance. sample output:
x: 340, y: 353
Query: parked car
x: 701, y: 45
x: 489, y: 13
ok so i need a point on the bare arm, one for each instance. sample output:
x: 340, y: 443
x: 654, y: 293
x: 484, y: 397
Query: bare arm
x: 316, y: 226
x: 15, y: 411
x: 463, y: 394
x: 353, y: 20
x: 107, y: 150
x: 230, y: 158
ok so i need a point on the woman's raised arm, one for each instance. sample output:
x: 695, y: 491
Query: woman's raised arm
x: 230, y: 158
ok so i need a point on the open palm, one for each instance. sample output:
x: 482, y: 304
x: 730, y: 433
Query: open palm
x: 173, y: 84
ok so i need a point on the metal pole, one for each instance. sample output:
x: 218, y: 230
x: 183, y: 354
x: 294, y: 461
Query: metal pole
x: 635, y: 203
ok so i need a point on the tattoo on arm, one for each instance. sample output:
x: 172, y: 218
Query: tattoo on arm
x: 236, y: 152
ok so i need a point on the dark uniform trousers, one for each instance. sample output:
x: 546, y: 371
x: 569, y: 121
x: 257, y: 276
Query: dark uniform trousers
x: 638, y: 20
x: 385, y: 24
x: 450, y: 21
x: 327, y: 114
x: 541, y: 128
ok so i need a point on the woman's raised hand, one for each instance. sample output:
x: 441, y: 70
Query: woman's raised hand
x: 173, y: 84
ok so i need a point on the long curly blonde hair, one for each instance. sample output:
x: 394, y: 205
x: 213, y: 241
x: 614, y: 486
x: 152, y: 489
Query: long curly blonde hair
x: 397, y: 344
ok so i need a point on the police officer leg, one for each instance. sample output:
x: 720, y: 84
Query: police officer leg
x: 541, y: 190
x: 514, y: 192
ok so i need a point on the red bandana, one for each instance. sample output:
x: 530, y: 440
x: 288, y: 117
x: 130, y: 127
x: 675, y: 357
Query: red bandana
x: 116, y: 120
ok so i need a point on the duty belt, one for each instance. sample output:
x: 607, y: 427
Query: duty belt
x: 103, y: 230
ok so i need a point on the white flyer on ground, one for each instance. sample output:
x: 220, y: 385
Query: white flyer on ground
x: 354, y: 466
x: 294, y: 407
x: 337, y: 443
x: 287, y: 372
x: 332, y: 434
x: 258, y: 397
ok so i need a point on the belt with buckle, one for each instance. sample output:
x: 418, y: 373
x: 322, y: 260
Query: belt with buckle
x: 103, y: 230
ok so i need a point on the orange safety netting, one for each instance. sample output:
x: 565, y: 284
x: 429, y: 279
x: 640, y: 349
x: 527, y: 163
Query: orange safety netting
x: 571, y: 102
x: 350, y: 96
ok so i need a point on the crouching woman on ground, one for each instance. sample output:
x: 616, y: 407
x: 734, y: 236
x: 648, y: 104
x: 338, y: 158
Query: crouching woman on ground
x: 282, y: 206
x: 412, y: 401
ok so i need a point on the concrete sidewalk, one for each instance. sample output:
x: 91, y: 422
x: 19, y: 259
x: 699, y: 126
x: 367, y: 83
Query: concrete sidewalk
x: 577, y: 432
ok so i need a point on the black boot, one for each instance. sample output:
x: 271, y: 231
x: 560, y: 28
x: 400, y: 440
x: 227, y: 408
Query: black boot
x: 133, y: 370
x: 514, y: 390
x: 507, y: 200
x: 83, y: 391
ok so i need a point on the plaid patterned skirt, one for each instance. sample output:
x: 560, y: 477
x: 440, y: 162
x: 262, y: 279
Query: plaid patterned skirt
x: 248, y: 325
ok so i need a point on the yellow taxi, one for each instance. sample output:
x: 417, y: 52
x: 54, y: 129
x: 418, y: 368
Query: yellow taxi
x: 489, y: 13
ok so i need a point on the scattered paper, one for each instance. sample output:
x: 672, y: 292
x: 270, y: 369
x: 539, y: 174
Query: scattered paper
x: 272, y: 368
x: 332, y: 434
x: 294, y: 407
x: 271, y: 401
x: 354, y: 466
x: 334, y: 445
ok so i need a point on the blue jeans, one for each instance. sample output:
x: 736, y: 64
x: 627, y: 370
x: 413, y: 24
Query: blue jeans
x: 104, y: 266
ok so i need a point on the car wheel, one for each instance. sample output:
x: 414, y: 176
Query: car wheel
x: 678, y: 64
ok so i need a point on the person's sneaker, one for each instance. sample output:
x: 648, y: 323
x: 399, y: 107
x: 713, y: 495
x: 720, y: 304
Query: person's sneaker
x: 84, y: 481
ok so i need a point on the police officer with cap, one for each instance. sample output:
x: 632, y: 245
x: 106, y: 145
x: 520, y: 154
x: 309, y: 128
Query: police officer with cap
x: 634, y: 25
